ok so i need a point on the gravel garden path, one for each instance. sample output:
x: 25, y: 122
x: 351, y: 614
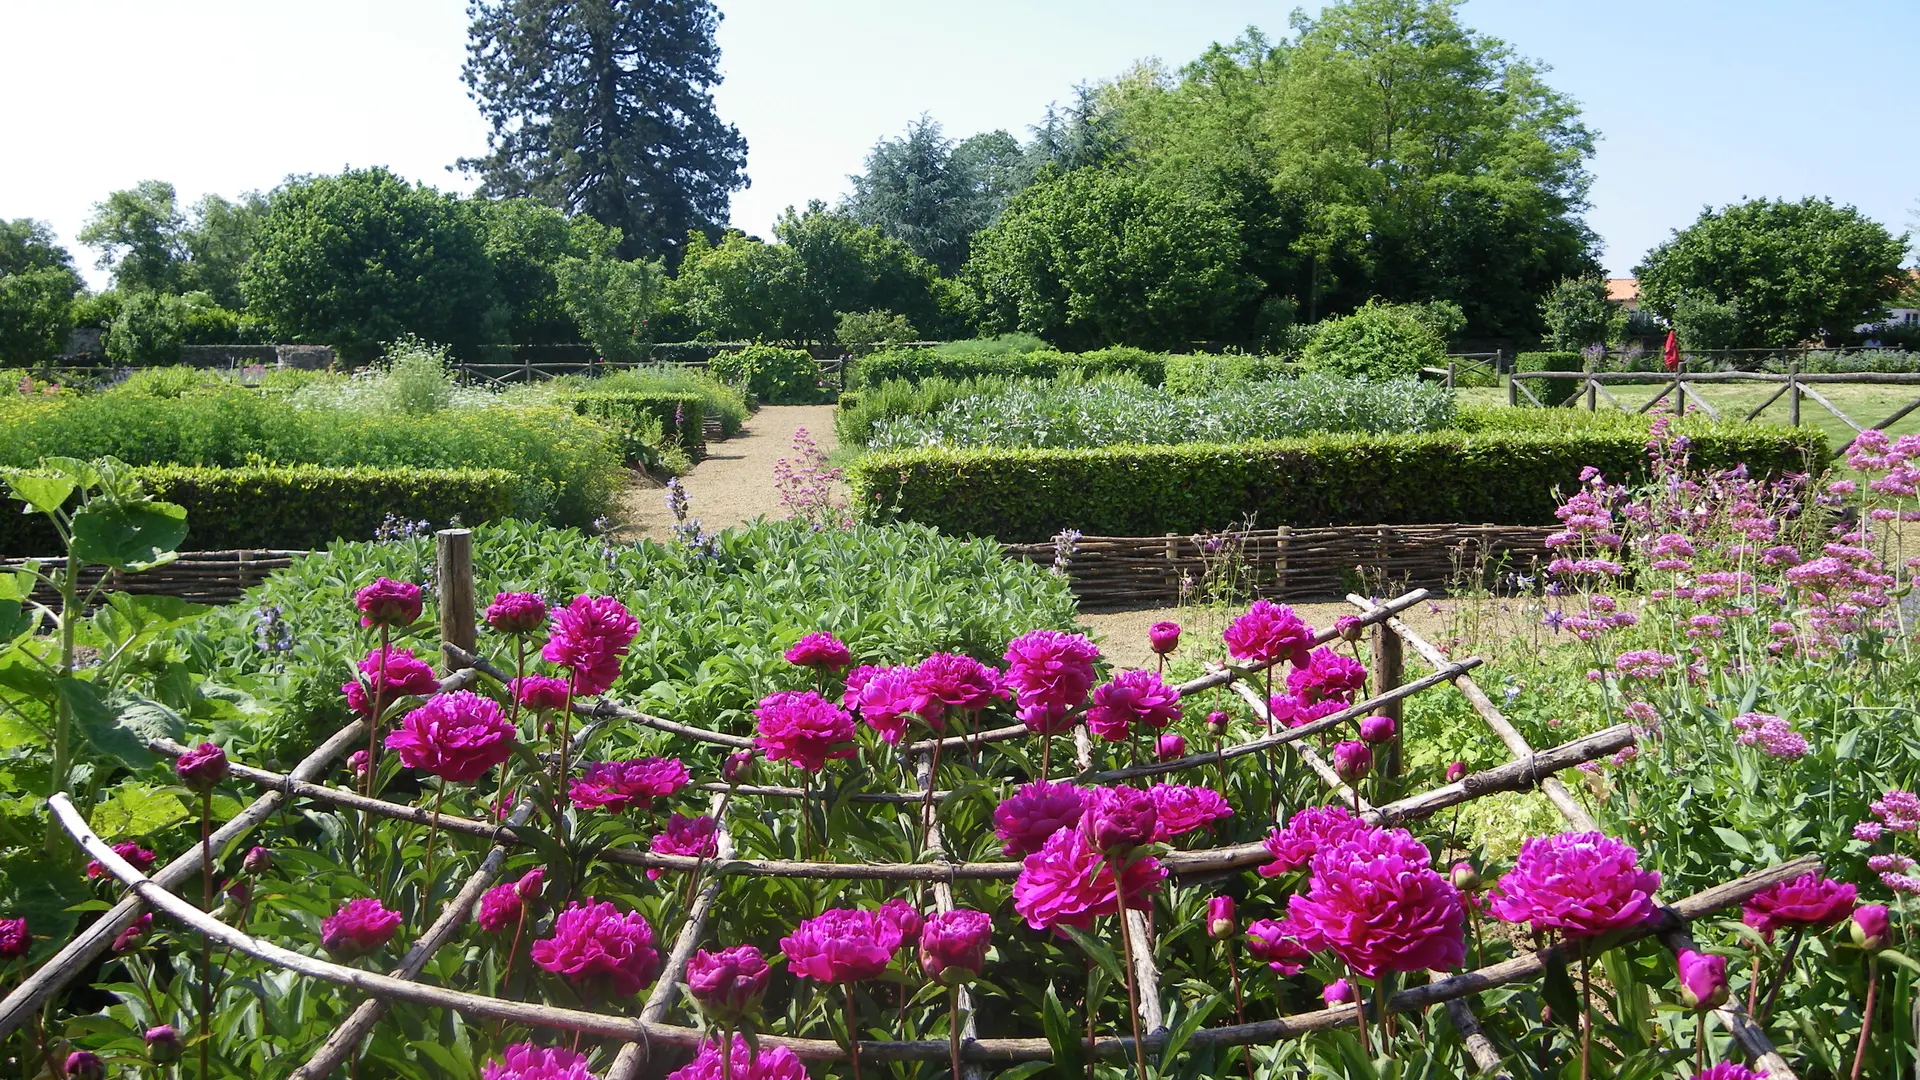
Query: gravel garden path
x: 734, y: 484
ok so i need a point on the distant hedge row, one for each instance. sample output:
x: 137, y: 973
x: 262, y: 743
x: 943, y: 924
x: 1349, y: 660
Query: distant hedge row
x: 296, y: 506
x: 682, y: 416
x: 1492, y: 471
x: 913, y: 365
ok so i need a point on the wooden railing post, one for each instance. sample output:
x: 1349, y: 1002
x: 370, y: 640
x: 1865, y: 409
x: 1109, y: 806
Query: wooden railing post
x: 1389, y: 667
x: 1793, y: 394
x: 453, y: 562
x: 1513, y: 390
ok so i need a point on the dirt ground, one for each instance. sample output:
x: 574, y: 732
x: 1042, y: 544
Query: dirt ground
x: 734, y: 484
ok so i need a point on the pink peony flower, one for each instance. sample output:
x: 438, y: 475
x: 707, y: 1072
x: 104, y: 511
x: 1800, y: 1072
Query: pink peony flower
x: 1269, y: 633
x: 804, y: 728
x: 1378, y: 729
x: 1352, y: 760
x: 1163, y: 637
x: 1118, y: 819
x: 742, y: 1063
x: 387, y: 602
x: 820, y: 651
x: 842, y: 945
x: 1290, y: 711
x: 456, y: 737
x: 950, y: 681
x: 516, y: 612
x: 730, y: 983
x: 15, y: 942
x: 525, y: 1061
x: 1306, y: 832
x: 953, y: 945
x: 1182, y: 808
x: 358, y: 928
x: 1068, y: 883
x: 906, y: 917
x: 695, y: 837
x: 1280, y: 944
x: 1050, y: 673
x: 504, y: 904
x: 1703, y: 980
x: 1132, y: 697
x: 140, y: 857
x: 616, y: 785
x: 1328, y: 676
x: 1339, y: 991
x: 590, y: 637
x: 1580, y: 884
x: 84, y: 1065
x: 539, y: 693
x: 596, y: 947
x: 202, y: 768
x: 1024, y: 820
x: 1728, y: 1070
x: 405, y: 677
x: 885, y: 699
x: 1171, y: 746
x: 1377, y: 904
x: 1809, y: 902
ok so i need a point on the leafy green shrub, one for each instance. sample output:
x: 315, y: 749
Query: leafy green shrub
x: 716, y: 398
x: 297, y: 506
x: 418, y: 376
x: 863, y: 331
x: 172, y: 381
x: 1380, y: 341
x: 1202, y: 372
x: 148, y: 329
x: 997, y: 345
x: 1491, y: 470
x: 913, y: 365
x: 1550, y: 391
x: 644, y: 421
x: 862, y: 410
x: 1702, y: 321
x: 774, y: 375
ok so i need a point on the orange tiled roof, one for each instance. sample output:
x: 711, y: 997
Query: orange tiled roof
x: 1623, y: 289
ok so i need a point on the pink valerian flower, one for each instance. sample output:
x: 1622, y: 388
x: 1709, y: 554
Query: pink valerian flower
x: 694, y: 837
x: 906, y: 917
x: 885, y: 700
x: 730, y: 983
x: 820, y: 651
x: 1867, y: 830
x: 842, y: 945
x: 596, y: 948
x: 1024, y: 820
x: 1118, y: 819
x: 1069, y: 883
x: 539, y: 693
x: 456, y: 737
x: 1375, y: 901
x: 504, y: 904
x: 405, y: 676
x: 1900, y: 810
x: 804, y: 728
x: 1809, y: 902
x: 1282, y: 943
x: 590, y: 638
x: 1163, y: 637
x: 1644, y: 664
x: 1774, y: 736
x: 741, y: 1063
x: 1182, y: 808
x: 614, y: 786
x: 953, y: 945
x: 525, y: 1061
x: 140, y: 857
x: 1580, y: 884
x: 1050, y: 673
x: 358, y: 928
x: 1132, y: 697
x: 1306, y: 832
x: 1328, y: 676
x: 1269, y: 633
x: 516, y: 612
x: 387, y: 602
x: 946, y: 681
x: 1289, y: 710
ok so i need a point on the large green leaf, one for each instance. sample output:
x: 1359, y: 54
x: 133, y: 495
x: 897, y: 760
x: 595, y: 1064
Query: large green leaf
x: 136, y: 810
x: 128, y: 536
x: 40, y: 491
x: 101, y: 725
x: 14, y: 620
x: 1063, y: 1036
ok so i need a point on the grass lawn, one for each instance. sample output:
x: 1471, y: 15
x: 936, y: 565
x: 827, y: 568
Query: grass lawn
x: 1864, y: 404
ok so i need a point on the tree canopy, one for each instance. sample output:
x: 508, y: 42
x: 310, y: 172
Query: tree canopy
x: 139, y: 233
x: 933, y: 194
x: 37, y: 287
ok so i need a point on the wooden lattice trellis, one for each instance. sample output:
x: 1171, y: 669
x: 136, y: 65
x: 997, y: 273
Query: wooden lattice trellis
x: 1529, y: 769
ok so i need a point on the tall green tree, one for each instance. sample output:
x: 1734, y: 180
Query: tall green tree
x: 218, y: 243
x: 612, y: 301
x: 37, y: 287
x: 605, y: 107
x: 1578, y: 313
x: 740, y: 289
x: 526, y: 241
x: 140, y: 233
x: 933, y: 194
x: 843, y: 266
x: 1794, y: 271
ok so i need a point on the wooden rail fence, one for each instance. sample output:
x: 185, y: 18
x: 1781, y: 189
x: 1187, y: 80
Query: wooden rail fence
x: 1794, y: 385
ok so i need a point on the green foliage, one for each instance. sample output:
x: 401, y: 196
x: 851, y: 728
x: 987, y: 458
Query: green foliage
x: 863, y: 331
x: 716, y: 398
x: 774, y: 375
x: 147, y: 330
x: 1551, y: 391
x: 611, y: 301
x: 1092, y: 258
x: 526, y: 243
x: 1578, y: 314
x: 417, y: 377
x: 862, y: 410
x: 219, y: 241
x: 947, y: 362
x: 1202, y: 372
x: 1497, y: 468
x: 737, y: 290
x: 933, y: 194
x: 644, y: 420
x: 139, y: 233
x: 1795, y: 270
x: 1379, y: 341
x: 1702, y: 322
x: 37, y: 287
x: 842, y: 265
x: 358, y: 259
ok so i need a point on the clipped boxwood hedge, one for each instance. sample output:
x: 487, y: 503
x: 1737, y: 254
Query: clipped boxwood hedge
x: 682, y: 415
x: 296, y: 506
x: 1499, y: 474
x: 1551, y: 391
x: 912, y: 365
x: 1202, y: 372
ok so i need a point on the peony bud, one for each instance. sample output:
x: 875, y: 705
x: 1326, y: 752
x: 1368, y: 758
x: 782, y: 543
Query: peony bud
x: 953, y: 945
x: 1163, y: 637
x: 1120, y: 820
x: 1338, y: 992
x: 129, y: 939
x: 1456, y: 772
x: 86, y: 1065
x: 728, y: 984
x: 739, y: 768
x: 1703, y: 980
x: 202, y: 768
x: 1170, y: 746
x: 1871, y: 929
x: 163, y: 1044
x: 15, y: 942
x: 357, y: 763
x: 1217, y: 722
x: 258, y: 861
x: 1352, y: 760
x: 1378, y: 729
x: 1221, y: 925
x: 1465, y: 877
x: 1349, y: 628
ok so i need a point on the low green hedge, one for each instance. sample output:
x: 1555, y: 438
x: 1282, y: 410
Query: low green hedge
x: 1551, y: 391
x: 1499, y: 474
x: 296, y: 506
x: 681, y: 415
x: 1199, y: 373
x: 912, y: 365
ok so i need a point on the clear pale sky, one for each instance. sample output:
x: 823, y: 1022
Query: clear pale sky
x: 1697, y: 102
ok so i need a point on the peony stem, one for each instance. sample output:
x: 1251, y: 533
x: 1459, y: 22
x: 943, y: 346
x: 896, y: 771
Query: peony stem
x: 206, y: 943
x: 1866, y: 1015
x: 1780, y: 976
x: 1239, y: 1007
x: 377, y: 703
x: 566, y: 733
x: 1360, y: 1012
x: 1046, y: 756
x: 1586, y: 1016
x: 726, y: 1053
x: 853, y: 1032
x: 1753, y: 985
x: 953, y: 1030
x: 433, y: 831
x: 506, y: 977
x: 1700, y: 1040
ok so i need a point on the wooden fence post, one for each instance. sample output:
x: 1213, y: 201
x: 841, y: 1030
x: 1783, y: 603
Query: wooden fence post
x: 453, y: 563
x: 1793, y: 394
x: 1593, y: 394
x: 1389, y: 664
x: 1513, y: 391
x: 1679, y: 393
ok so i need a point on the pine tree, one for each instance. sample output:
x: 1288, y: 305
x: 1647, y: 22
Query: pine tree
x: 604, y: 107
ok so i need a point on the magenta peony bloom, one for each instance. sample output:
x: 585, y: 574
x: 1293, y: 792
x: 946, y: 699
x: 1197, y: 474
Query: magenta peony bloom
x: 140, y: 857
x: 1118, y: 819
x: 406, y: 676
x: 15, y: 942
x: 771, y: 1063
x: 820, y: 651
x: 842, y: 945
x: 1339, y: 991
x: 1050, y: 673
x: 387, y: 602
x: 539, y: 693
x: 597, y: 948
x: 202, y: 768
x: 590, y: 637
x: 1376, y: 902
x: 85, y: 1065
x: 1328, y: 676
x: 696, y: 837
x: 1352, y: 760
x: 1378, y: 729
x: 1871, y: 928
x: 456, y: 737
x: 730, y: 983
x: 1182, y: 808
x: 358, y: 928
x: 1068, y: 883
x: 516, y: 612
x: 1171, y: 746
x: 804, y: 728
x: 1808, y: 902
x: 1728, y: 1070
x: 1306, y: 832
x: 1163, y: 637
x: 906, y: 917
x: 525, y: 1061
x: 1025, y: 819
x: 615, y: 786
x: 1703, y: 980
x: 1580, y: 884
x: 1269, y: 633
x: 1281, y: 943
x: 886, y: 699
x: 953, y: 945
x: 1132, y: 697
x: 129, y: 939
x: 1293, y: 712
x: 503, y: 905
x: 950, y: 681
